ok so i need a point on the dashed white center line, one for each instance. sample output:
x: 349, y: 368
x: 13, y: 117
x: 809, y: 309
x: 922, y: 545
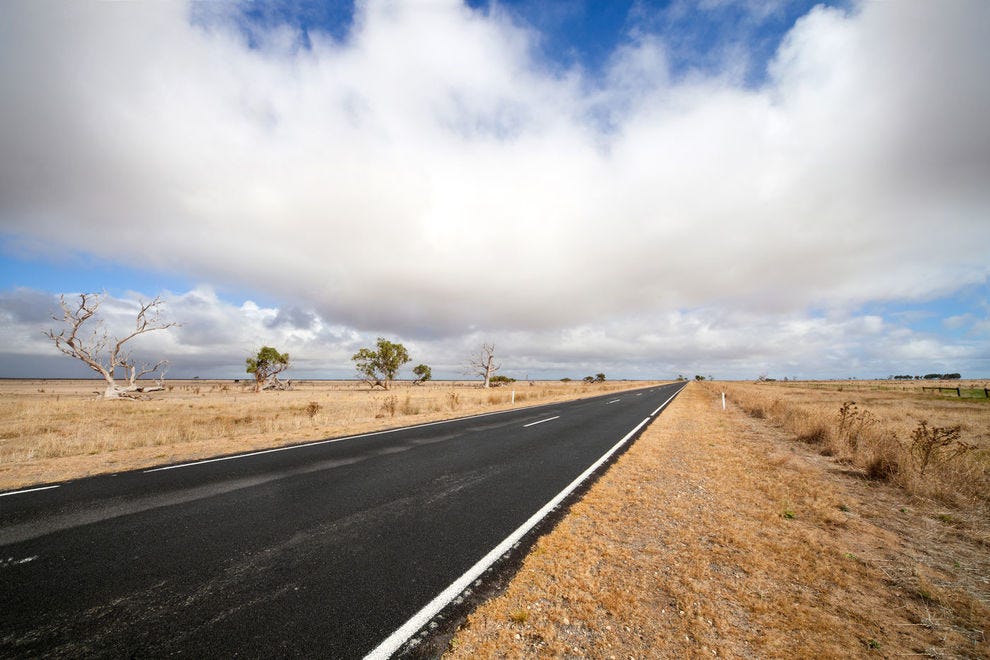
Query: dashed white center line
x: 10, y: 561
x: 548, y: 419
x: 613, y: 401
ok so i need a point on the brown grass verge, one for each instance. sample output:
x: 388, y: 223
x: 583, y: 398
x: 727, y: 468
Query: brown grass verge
x: 57, y: 430
x: 932, y: 446
x: 717, y: 535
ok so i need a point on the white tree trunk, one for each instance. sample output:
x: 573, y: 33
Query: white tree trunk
x: 488, y: 371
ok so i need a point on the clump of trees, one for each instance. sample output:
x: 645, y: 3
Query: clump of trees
x: 498, y: 381
x: 86, y: 339
x: 927, y: 377
x: 266, y: 366
x: 379, y: 367
x: 597, y: 378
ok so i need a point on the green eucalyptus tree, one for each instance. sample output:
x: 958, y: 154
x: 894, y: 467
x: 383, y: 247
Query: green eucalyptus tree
x: 379, y: 368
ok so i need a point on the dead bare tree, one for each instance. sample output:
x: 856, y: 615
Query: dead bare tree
x: 484, y: 364
x: 93, y: 345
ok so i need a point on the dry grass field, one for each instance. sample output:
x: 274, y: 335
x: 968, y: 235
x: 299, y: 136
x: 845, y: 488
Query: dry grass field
x: 56, y: 430
x: 719, y: 534
x: 933, y: 444
x: 807, y: 520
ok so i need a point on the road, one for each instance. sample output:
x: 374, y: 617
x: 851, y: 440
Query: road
x: 326, y: 549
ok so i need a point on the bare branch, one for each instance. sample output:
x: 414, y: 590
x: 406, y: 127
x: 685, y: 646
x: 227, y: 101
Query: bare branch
x: 93, y: 350
x: 484, y: 365
x: 142, y: 325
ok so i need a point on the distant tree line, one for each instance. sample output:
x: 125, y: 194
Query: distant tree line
x: 927, y: 377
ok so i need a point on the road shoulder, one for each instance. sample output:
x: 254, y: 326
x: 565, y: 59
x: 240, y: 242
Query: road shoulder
x: 717, y: 535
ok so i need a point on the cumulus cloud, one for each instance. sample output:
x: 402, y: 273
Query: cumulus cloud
x: 215, y: 336
x: 428, y: 176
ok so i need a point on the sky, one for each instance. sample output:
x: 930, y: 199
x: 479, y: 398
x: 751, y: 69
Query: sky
x: 729, y: 188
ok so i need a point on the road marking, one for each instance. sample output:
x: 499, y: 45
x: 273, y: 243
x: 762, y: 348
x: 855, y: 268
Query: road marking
x: 548, y: 419
x: 639, y: 394
x: 613, y: 401
x: 27, y: 490
x: 395, y: 641
x: 653, y: 414
x: 10, y: 561
x: 324, y: 442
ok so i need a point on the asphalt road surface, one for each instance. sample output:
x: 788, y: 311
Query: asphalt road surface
x: 330, y: 549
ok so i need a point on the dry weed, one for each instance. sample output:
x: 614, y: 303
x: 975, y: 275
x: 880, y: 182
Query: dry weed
x: 886, y: 432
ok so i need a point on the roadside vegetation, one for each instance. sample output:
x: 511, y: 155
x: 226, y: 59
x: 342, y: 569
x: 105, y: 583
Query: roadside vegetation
x: 930, y: 444
x: 719, y: 534
x: 55, y: 430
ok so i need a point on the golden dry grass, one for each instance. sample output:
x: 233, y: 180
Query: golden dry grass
x: 57, y: 430
x: 877, y: 426
x: 717, y: 535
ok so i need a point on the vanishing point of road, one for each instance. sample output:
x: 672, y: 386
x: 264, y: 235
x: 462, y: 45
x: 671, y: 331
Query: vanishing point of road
x: 340, y: 548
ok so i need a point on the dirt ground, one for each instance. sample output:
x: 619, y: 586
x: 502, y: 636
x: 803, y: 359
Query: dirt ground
x: 717, y: 535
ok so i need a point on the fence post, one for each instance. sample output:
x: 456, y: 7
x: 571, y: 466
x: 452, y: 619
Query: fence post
x: 959, y: 392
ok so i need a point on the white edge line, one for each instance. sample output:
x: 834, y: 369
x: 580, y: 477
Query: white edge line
x: 548, y: 419
x: 27, y: 490
x: 395, y: 641
x: 652, y: 414
x: 348, y: 437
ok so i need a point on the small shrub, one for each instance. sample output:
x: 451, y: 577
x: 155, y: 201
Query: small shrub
x: 854, y: 424
x: 816, y: 434
x: 312, y: 408
x: 519, y: 616
x: 936, y: 445
x: 883, y: 462
x: 453, y: 400
x: 388, y: 407
x: 408, y: 408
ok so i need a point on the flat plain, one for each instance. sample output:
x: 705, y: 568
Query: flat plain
x: 55, y: 430
x: 806, y: 519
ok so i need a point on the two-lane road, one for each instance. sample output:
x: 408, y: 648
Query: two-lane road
x: 335, y: 548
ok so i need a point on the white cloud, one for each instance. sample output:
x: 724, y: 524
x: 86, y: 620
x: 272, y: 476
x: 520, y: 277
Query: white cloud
x: 428, y: 178
x: 216, y: 336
